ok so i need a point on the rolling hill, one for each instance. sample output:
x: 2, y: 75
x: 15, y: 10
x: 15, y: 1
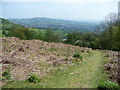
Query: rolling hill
x: 64, y: 25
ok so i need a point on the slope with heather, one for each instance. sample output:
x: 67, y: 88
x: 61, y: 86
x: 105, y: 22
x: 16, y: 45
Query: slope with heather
x: 57, y: 65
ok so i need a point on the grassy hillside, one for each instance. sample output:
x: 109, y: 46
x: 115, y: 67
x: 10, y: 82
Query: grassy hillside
x: 38, y: 64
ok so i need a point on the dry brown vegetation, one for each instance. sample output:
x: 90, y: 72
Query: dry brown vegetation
x: 24, y: 56
x: 112, y: 67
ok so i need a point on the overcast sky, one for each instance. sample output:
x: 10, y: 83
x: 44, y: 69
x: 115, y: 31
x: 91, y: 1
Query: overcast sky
x: 59, y: 9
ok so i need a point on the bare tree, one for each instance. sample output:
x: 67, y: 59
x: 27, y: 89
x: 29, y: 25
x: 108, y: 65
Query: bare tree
x: 110, y: 21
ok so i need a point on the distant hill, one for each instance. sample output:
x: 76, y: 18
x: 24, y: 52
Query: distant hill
x: 64, y: 25
x: 6, y: 24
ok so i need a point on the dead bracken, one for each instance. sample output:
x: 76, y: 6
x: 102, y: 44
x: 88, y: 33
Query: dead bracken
x: 112, y: 67
x: 23, y: 56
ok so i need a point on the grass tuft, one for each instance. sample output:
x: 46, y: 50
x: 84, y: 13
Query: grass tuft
x: 6, y: 74
x: 77, y: 55
x: 53, y: 49
x: 108, y: 85
x: 33, y: 78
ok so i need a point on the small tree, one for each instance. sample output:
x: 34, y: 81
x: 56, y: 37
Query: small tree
x: 109, y: 38
x: 39, y: 35
x: 17, y: 31
x: 30, y: 34
x: 51, y: 36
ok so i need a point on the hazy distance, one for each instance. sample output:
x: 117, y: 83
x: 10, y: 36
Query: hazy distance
x: 92, y: 10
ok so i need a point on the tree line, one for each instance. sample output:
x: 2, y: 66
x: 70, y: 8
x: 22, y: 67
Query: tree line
x: 29, y: 34
x: 109, y: 38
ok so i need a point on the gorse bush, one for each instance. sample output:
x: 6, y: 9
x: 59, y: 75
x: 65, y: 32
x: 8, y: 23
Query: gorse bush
x: 108, y: 85
x: 33, y: 78
x: 6, y: 74
x: 77, y: 55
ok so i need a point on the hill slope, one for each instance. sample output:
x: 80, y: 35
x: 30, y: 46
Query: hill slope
x: 57, y: 65
x: 65, y: 25
x: 6, y: 24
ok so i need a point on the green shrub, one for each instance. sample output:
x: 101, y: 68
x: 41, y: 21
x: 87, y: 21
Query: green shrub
x: 53, y: 49
x: 33, y: 78
x: 6, y: 74
x: 51, y: 36
x: 82, y: 51
x: 88, y: 51
x: 77, y: 55
x: 66, y: 59
x: 108, y: 85
x: 75, y: 61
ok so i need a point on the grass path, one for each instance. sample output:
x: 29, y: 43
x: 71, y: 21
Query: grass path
x: 86, y: 74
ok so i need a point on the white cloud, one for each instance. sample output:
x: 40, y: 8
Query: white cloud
x: 63, y: 1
